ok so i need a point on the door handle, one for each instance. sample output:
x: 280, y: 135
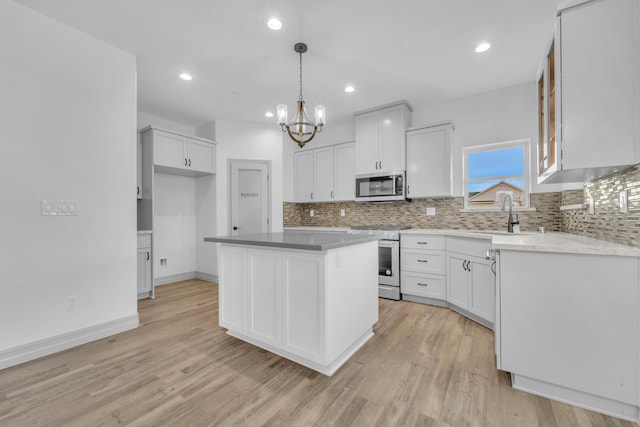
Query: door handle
x: 235, y: 228
x: 147, y: 255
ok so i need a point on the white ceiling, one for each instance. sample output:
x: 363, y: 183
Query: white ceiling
x: 419, y: 50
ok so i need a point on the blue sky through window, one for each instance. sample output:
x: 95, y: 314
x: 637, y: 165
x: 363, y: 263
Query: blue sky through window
x: 505, y: 162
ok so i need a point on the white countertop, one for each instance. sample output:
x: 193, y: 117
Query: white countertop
x: 536, y: 242
x: 526, y: 241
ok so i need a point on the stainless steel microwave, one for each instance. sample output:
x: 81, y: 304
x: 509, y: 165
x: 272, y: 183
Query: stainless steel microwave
x: 378, y: 187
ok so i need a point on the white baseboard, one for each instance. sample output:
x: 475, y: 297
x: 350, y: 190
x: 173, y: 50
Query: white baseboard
x: 207, y: 277
x: 26, y: 352
x: 165, y: 280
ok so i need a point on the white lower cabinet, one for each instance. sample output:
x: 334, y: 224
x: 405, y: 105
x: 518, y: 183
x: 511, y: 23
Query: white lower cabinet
x: 568, y: 328
x: 264, y: 294
x: 145, y: 279
x: 422, y: 266
x: 471, y: 280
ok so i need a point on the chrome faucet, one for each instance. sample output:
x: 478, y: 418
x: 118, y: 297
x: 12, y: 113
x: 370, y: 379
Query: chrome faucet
x: 510, y: 221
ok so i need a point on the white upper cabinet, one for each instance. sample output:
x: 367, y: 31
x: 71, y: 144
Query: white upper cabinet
x: 179, y: 154
x: 139, y: 166
x: 594, y: 96
x: 324, y: 174
x: 344, y: 172
x: 303, y: 176
x: 380, y: 138
x: 429, y: 162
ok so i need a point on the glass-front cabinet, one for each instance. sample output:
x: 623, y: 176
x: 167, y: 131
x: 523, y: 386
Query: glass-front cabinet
x: 547, y: 100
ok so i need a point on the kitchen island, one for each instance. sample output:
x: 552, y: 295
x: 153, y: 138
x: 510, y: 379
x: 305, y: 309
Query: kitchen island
x: 309, y: 297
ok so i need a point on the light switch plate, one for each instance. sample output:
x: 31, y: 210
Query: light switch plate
x: 431, y: 211
x: 312, y: 212
x: 342, y: 212
x: 623, y: 201
x: 57, y: 208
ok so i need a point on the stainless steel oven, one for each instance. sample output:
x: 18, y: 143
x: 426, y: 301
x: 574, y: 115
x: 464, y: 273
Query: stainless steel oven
x: 388, y: 257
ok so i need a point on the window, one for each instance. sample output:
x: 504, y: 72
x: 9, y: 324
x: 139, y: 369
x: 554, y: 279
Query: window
x: 494, y: 171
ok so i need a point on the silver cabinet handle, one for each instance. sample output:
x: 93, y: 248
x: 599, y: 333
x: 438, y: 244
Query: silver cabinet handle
x: 422, y: 243
x: 311, y: 195
x: 422, y: 284
x: 422, y: 260
x: 332, y: 194
x: 147, y: 255
x: 408, y: 189
x: 189, y: 162
x: 185, y: 162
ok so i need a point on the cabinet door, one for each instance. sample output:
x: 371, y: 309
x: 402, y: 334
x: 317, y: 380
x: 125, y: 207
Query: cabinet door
x: 144, y: 270
x: 323, y: 175
x: 392, y: 141
x: 429, y: 162
x: 458, y: 280
x: 201, y: 156
x: 344, y: 172
x: 169, y: 150
x: 304, y: 304
x: 303, y: 176
x: 482, y: 298
x: 598, y: 73
x: 139, y: 167
x: 232, y: 262
x: 367, y: 143
x: 264, y: 296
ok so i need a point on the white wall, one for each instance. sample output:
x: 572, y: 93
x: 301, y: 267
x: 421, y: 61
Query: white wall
x: 250, y: 141
x: 68, y: 120
x: 174, y: 224
x: 502, y: 115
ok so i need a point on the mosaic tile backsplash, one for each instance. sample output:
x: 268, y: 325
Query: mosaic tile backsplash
x: 606, y: 224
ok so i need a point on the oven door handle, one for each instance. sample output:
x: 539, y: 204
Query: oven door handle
x: 386, y: 244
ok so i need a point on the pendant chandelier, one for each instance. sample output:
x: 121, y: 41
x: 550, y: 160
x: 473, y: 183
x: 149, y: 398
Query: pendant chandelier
x: 301, y: 129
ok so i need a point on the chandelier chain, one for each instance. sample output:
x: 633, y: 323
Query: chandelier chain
x: 300, y: 76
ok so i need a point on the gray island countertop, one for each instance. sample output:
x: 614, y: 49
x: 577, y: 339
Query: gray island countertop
x: 309, y: 241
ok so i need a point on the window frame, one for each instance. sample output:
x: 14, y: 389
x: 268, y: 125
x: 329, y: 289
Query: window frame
x: 525, y: 143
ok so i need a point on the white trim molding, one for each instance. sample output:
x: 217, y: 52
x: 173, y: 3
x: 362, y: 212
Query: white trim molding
x: 24, y: 353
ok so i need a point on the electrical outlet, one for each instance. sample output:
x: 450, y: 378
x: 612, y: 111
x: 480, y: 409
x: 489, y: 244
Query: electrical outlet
x: 72, y: 302
x: 342, y: 212
x: 57, y: 208
x: 623, y: 201
x: 431, y: 211
x: 163, y: 263
x: 312, y: 212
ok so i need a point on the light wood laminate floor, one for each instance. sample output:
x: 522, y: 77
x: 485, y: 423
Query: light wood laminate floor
x: 425, y: 366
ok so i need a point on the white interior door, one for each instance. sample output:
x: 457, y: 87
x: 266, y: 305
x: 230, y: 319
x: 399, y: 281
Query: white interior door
x: 250, y: 197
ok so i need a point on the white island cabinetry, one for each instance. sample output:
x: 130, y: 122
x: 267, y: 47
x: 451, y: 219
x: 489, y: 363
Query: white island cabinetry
x: 315, y: 307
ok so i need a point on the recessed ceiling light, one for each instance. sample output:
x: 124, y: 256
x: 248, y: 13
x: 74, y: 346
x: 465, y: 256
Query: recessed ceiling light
x: 349, y: 89
x: 482, y: 47
x: 185, y: 76
x: 274, y: 24
x: 268, y: 114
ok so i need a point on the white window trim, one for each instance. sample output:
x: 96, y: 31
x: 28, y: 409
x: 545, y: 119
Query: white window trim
x: 497, y: 146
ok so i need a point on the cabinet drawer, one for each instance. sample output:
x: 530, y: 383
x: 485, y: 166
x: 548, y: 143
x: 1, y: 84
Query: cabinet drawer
x: 469, y: 246
x: 423, y: 285
x: 144, y: 241
x: 421, y: 241
x: 422, y: 261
